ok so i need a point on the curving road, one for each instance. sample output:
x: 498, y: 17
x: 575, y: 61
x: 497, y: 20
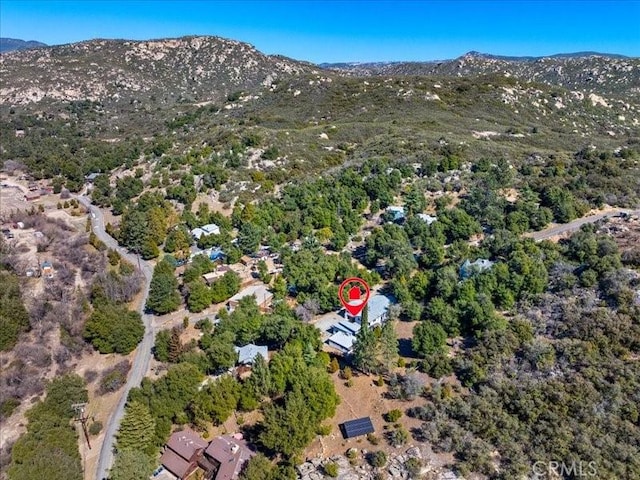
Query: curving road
x: 143, y: 353
x: 574, y: 225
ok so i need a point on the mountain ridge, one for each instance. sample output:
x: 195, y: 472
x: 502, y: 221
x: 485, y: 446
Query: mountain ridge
x: 16, y: 44
x: 199, y: 69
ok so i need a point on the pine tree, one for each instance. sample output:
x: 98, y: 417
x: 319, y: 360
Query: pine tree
x: 365, y: 347
x: 137, y: 429
x: 175, y: 346
x: 388, y: 346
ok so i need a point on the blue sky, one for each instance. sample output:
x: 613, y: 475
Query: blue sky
x: 333, y: 30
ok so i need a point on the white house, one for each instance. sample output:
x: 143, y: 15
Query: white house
x: 378, y: 307
x: 260, y: 292
x: 469, y: 268
x: 209, y: 229
x: 428, y: 219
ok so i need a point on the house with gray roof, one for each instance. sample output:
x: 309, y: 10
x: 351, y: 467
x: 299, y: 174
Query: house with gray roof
x: 248, y: 354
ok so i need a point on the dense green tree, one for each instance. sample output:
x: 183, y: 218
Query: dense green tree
x: 137, y: 428
x: 161, y: 346
x: 219, y: 350
x: 366, y: 349
x: 216, y: 401
x: 131, y: 464
x: 249, y: 237
x: 114, y: 328
x: 49, y: 449
x: 199, y: 296
x: 163, y: 293
x: 428, y: 338
x: 258, y: 467
x: 388, y: 346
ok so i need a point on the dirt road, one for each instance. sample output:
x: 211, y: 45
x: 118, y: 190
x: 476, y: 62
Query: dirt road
x: 557, y: 230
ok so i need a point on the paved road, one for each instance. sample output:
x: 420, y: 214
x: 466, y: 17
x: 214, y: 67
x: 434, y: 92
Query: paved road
x: 576, y: 224
x: 143, y: 352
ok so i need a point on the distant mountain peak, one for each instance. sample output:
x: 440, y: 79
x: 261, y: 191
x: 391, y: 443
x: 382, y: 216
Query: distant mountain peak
x: 13, y: 44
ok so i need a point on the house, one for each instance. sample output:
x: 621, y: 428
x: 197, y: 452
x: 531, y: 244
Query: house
x: 341, y: 341
x: 428, y: 219
x: 248, y: 354
x: 47, y: 269
x: 216, y: 274
x: 229, y: 454
x: 246, y: 260
x: 91, y: 177
x: 396, y: 213
x: 182, y: 453
x: 209, y: 229
x: 377, y: 309
x: 468, y: 269
x: 31, y: 196
x: 19, y: 133
x: 260, y: 292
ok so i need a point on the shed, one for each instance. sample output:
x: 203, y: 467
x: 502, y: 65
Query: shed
x: 357, y: 427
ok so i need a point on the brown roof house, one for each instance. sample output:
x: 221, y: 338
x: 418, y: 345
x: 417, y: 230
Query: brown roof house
x: 182, y: 453
x: 229, y: 453
x: 221, y: 459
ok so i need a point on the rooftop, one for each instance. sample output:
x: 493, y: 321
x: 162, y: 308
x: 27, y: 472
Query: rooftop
x: 261, y: 293
x: 378, y: 306
x: 230, y: 453
x: 186, y: 443
x: 249, y: 353
x: 342, y: 340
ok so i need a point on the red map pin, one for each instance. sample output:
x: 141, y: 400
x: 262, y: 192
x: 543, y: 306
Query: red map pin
x: 357, y: 295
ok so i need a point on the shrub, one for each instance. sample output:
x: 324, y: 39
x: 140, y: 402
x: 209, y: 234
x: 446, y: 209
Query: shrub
x: 331, y: 469
x: 393, y: 416
x: 8, y: 406
x: 413, y: 466
x: 95, y: 428
x: 114, y: 378
x: 324, y: 430
x: 398, y: 437
x: 373, y: 439
x: 90, y: 376
x: 352, y: 454
x: 377, y: 459
x: 334, y: 366
x: 346, y: 373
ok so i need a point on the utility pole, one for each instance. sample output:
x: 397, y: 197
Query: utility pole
x: 79, y: 408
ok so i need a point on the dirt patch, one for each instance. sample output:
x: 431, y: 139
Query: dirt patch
x: 215, y: 205
x: 363, y: 399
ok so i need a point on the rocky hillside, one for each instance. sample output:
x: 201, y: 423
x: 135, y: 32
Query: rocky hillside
x: 188, y: 69
x: 589, y: 72
x: 13, y: 44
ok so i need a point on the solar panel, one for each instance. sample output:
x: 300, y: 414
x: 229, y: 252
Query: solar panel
x: 357, y: 427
